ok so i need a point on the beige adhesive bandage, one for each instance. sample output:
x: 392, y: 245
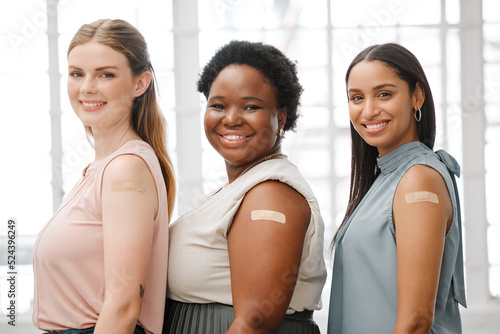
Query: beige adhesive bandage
x: 127, y: 186
x: 268, y: 215
x: 421, y: 196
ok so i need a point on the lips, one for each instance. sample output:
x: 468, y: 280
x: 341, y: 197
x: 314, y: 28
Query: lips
x: 92, y: 105
x: 233, y: 137
x: 233, y: 140
x: 375, y: 126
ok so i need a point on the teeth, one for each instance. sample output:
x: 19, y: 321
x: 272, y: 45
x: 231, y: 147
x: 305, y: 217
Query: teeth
x: 232, y: 137
x: 375, y: 126
x: 92, y: 104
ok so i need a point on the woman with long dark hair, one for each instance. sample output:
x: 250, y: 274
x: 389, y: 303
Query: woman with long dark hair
x: 398, y: 264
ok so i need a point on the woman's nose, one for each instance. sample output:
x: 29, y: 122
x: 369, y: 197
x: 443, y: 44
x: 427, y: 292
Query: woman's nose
x: 232, y: 117
x: 88, y: 86
x: 370, y: 109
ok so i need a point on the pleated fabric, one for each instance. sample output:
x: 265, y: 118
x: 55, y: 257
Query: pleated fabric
x: 214, y: 318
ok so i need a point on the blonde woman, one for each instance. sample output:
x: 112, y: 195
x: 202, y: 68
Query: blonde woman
x: 101, y: 262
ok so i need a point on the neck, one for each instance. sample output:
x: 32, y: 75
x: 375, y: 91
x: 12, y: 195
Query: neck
x: 233, y: 174
x: 107, y: 143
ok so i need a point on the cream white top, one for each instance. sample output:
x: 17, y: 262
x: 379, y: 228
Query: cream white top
x: 198, y: 256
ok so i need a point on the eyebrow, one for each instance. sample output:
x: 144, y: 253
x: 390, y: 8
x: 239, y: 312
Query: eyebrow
x: 102, y: 68
x: 384, y: 85
x: 248, y: 98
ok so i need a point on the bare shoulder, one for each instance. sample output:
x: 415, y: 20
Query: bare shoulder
x: 421, y: 177
x: 128, y: 184
x: 422, y: 193
x: 270, y: 189
x: 127, y: 166
x: 274, y: 192
x: 278, y: 196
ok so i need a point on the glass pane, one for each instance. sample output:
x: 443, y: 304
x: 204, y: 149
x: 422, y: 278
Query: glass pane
x: 491, y: 85
x: 308, y: 48
x: 171, y: 118
x: 419, y: 12
x: 491, y: 42
x: 315, y: 86
x: 492, y: 114
x: 343, y: 156
x: 264, y: 14
x: 367, y: 13
x: 342, y: 192
x: 491, y: 10
x: 153, y: 16
x: 31, y: 136
x: 311, y: 130
x: 495, y: 281
x: 236, y: 13
x: 419, y: 41
x: 322, y: 191
x: 453, y: 67
x: 27, y: 178
x: 212, y: 14
x: 452, y: 11
x: 313, y: 118
x: 313, y: 13
x: 26, y: 55
x: 28, y: 97
x: 92, y: 10
x: 23, y: 17
x: 161, y: 51
x: 492, y: 177
x: 493, y: 135
x: 349, y: 42
x: 166, y: 89
x: 214, y: 171
x: 314, y: 162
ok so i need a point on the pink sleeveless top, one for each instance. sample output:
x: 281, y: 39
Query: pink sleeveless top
x: 68, y: 258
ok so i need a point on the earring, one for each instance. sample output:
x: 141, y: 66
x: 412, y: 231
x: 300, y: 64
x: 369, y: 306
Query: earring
x: 280, y: 132
x: 419, y: 117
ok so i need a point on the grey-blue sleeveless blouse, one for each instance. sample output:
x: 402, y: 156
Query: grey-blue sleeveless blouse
x: 364, y: 281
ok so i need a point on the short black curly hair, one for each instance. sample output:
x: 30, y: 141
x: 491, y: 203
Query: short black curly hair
x: 270, y: 62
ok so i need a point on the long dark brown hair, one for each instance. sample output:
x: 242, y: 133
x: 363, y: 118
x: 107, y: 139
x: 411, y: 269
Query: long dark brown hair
x: 364, y: 169
x: 147, y: 119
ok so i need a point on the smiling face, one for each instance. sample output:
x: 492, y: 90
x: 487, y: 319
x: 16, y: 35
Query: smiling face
x: 381, y: 106
x: 242, y: 119
x: 101, y: 86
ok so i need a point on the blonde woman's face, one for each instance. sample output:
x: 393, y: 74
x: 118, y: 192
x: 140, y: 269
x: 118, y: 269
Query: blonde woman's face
x: 101, y: 86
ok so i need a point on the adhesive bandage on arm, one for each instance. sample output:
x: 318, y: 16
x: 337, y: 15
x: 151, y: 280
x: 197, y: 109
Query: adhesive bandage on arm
x: 127, y: 186
x: 268, y: 215
x: 421, y: 196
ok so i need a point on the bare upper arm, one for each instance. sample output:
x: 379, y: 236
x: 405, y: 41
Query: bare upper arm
x: 128, y: 177
x: 422, y: 213
x: 265, y: 252
x: 129, y: 205
x: 422, y: 190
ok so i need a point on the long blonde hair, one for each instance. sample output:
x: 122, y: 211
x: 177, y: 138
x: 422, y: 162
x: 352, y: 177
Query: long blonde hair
x: 147, y: 118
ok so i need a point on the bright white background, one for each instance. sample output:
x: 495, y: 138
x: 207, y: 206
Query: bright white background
x: 43, y: 146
